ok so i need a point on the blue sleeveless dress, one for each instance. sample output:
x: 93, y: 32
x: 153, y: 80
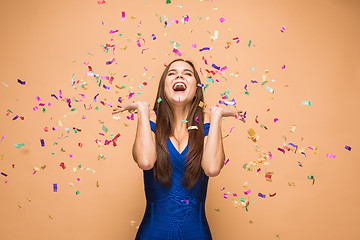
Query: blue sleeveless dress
x: 174, y: 213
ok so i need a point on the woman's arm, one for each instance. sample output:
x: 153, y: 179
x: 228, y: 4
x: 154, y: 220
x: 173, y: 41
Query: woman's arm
x: 213, y: 154
x: 144, y: 149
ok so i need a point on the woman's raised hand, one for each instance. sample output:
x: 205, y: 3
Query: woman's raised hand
x: 130, y: 107
x: 238, y: 114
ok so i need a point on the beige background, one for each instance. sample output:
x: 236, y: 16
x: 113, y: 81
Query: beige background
x: 45, y: 42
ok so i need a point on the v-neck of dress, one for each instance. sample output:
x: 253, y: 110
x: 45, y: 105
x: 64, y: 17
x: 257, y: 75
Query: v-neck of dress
x: 171, y: 143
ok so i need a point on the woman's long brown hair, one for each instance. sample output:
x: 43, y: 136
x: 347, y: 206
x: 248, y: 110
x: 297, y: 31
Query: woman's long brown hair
x: 165, y: 127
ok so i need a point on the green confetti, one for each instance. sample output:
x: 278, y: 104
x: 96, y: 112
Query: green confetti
x: 249, y: 43
x: 123, y: 86
x: 19, y: 145
x: 270, y: 89
x: 180, y: 6
x: 210, y: 80
x: 253, y: 68
x: 262, y: 84
x: 168, y: 1
x: 79, y: 166
x: 205, y: 87
x: 90, y: 54
x: 77, y: 192
x: 44, y: 110
x: 141, y: 85
x: 159, y: 100
x: 185, y: 121
x: 73, y: 109
x: 97, y: 108
x: 55, y: 143
x: 9, y: 110
x: 247, y: 93
x: 104, y: 128
x: 75, y: 130
x: 307, y: 103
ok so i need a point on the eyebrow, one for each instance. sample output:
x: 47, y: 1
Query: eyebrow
x: 184, y: 70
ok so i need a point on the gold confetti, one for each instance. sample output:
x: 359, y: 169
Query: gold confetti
x: 201, y: 104
x: 51, y: 217
x: 293, y: 128
x: 291, y: 184
x: 251, y: 221
x: 28, y: 199
x: 218, y: 210
x: 19, y: 205
x: 97, y: 183
x: 192, y: 127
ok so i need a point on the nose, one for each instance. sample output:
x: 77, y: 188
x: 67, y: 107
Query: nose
x: 179, y: 76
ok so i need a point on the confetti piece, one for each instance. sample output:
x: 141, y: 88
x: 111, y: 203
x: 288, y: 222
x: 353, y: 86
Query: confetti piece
x: 159, y: 100
x: 21, y: 82
x: 62, y: 165
x: 293, y: 128
x: 42, y: 142
x: 291, y: 184
x: 346, y: 147
x: 177, y: 52
x: 330, y: 156
x: 4, y: 83
x: 275, y: 120
x: 194, y: 45
x: 186, y: 201
x: 3, y: 137
x: 123, y: 16
x: 262, y: 195
x: 225, y: 195
x: 311, y: 178
x: 270, y: 89
x: 272, y: 195
x: 247, y: 192
x: 77, y: 192
x: 4, y: 174
x: 101, y: 2
x: 192, y: 127
x: 306, y: 103
x: 283, y: 29
x: 283, y: 67
x: 281, y: 150
x: 205, y: 48
x: 168, y: 1
x: 19, y: 145
x: 55, y: 187
x: 222, y: 19
x: 153, y: 36
x: 225, y: 162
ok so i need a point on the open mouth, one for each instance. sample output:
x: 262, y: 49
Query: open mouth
x: 179, y: 87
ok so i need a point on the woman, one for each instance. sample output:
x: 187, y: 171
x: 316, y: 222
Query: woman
x: 177, y: 156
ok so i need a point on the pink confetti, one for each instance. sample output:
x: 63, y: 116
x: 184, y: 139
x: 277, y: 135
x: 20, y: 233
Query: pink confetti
x: 222, y: 19
x: 270, y: 155
x: 194, y: 45
x: 175, y: 21
x: 330, y: 156
x: 112, y: 31
x: 3, y: 138
x: 101, y: 2
x: 38, y: 98
x: 196, y: 119
x: 281, y: 150
x: 231, y: 129
x: 177, y: 52
x: 71, y: 155
x: 225, y: 195
x: 226, y: 161
x: 247, y: 192
x: 275, y: 120
x: 123, y: 16
x: 35, y: 108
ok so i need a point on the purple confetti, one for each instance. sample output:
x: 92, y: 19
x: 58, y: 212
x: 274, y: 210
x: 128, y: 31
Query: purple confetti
x: 205, y: 48
x: 21, y: 82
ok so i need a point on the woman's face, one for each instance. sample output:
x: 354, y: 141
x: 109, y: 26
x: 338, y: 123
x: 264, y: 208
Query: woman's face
x: 180, y: 83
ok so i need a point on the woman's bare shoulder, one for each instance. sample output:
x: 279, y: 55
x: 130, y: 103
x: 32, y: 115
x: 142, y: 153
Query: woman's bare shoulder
x: 152, y: 116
